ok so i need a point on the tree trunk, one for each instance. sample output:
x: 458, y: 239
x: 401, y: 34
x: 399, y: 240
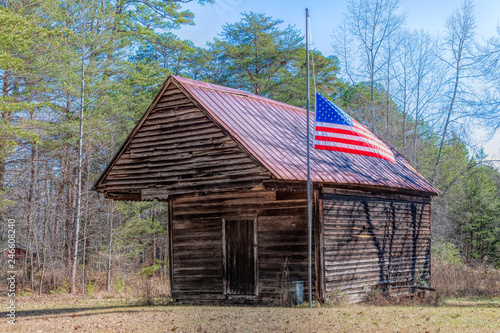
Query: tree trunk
x: 447, y: 121
x: 79, y: 177
x: 110, y: 244
x: 5, y: 118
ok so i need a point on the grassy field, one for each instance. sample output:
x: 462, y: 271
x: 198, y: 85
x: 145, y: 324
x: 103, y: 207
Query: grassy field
x: 62, y: 313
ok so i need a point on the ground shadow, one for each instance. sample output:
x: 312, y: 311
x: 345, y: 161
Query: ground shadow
x: 73, y: 311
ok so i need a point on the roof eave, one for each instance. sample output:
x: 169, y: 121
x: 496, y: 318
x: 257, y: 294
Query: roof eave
x: 300, y: 185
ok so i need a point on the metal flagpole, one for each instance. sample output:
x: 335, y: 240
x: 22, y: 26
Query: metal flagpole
x: 309, y: 183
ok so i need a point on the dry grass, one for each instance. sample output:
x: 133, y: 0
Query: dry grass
x: 63, y: 313
x: 459, y: 280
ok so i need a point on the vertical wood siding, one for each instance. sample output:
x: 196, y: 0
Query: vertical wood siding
x: 198, y: 242
x: 374, y: 244
x: 240, y: 257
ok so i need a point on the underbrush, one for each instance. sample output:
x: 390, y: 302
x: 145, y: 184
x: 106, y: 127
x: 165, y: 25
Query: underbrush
x: 471, y: 280
x: 453, y: 277
x: 150, y: 290
x: 420, y: 298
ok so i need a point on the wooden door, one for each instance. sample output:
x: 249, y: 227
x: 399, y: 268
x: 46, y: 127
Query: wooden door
x: 240, y: 257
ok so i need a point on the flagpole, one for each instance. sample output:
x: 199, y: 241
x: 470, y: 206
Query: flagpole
x: 309, y: 183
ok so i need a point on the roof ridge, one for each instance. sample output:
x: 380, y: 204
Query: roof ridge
x: 233, y: 91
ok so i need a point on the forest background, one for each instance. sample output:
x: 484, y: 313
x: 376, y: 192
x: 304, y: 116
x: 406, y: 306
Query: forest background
x: 76, y: 76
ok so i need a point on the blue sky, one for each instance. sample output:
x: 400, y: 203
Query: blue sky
x: 429, y: 15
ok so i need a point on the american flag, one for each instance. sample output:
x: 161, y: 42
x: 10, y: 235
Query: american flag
x: 335, y: 130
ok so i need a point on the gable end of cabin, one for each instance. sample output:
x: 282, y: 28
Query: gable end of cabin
x: 176, y: 149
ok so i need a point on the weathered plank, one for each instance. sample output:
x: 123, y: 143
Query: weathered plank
x: 281, y: 239
x: 373, y: 241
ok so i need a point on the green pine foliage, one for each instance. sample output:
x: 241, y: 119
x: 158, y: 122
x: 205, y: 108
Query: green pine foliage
x: 142, y: 221
x: 477, y: 215
x: 258, y: 55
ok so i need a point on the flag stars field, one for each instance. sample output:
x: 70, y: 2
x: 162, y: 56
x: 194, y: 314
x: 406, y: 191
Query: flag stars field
x: 337, y: 131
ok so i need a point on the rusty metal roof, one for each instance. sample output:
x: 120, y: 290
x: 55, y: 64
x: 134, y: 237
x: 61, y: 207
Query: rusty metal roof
x: 275, y: 134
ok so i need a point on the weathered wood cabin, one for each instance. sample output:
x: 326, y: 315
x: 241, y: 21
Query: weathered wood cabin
x: 232, y: 167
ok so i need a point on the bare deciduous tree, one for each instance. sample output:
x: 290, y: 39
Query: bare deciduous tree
x: 489, y: 68
x: 371, y: 24
x: 459, y: 44
x: 418, y: 83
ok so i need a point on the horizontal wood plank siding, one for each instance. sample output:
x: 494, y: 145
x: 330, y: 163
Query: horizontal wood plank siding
x: 197, y: 241
x: 374, y: 243
x: 197, y: 256
x: 177, y: 150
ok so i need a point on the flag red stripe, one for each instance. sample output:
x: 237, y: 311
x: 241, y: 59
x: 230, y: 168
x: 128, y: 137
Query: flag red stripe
x: 343, y: 131
x: 376, y: 145
x: 352, y: 151
x: 350, y: 142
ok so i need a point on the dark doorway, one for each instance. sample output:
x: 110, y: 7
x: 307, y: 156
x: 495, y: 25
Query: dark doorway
x: 240, y: 257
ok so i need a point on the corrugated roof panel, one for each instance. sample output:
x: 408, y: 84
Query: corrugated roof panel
x: 275, y: 134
